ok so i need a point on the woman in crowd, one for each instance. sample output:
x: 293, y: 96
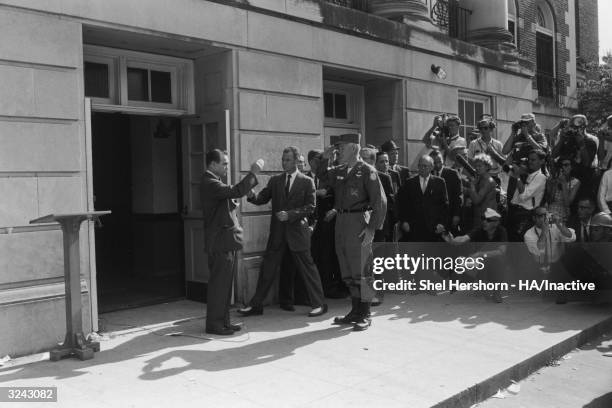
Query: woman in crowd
x: 561, y: 190
x: 482, y: 191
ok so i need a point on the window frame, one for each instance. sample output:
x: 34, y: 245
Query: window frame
x: 513, y: 17
x: 354, y: 99
x: 112, y: 74
x: 485, y: 100
x: 149, y: 66
x: 181, y: 81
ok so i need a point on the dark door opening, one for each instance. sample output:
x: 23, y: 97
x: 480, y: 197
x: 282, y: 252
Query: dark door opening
x: 137, y: 175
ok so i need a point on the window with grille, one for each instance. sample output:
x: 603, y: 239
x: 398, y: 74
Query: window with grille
x: 471, y: 108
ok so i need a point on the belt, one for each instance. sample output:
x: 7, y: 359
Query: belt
x: 359, y: 210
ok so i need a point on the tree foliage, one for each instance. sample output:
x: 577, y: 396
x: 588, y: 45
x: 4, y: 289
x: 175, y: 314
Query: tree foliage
x: 595, y: 96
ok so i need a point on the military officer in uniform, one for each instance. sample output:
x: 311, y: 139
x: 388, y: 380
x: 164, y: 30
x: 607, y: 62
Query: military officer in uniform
x: 359, y: 207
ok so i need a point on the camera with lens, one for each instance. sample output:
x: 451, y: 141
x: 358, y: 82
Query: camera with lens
x: 515, y: 165
x: 516, y: 126
x: 466, y: 165
x: 442, y: 132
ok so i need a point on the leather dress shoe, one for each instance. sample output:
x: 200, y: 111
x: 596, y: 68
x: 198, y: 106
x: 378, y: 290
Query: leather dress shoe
x: 251, y: 311
x: 318, y: 311
x: 362, y: 324
x: 222, y: 331
x: 287, y: 307
x: 234, y: 327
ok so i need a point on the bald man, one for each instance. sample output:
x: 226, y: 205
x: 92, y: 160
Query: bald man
x: 422, y: 204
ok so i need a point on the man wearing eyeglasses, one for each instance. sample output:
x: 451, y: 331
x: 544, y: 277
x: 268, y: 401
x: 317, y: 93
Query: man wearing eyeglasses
x: 494, y: 237
x: 546, y: 242
x: 487, y: 145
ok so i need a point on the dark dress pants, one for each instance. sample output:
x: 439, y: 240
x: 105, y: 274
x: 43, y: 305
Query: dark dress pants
x: 219, y: 293
x: 291, y: 288
x: 271, y: 266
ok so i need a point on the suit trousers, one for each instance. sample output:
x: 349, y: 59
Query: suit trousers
x: 354, y: 258
x: 270, y: 268
x: 219, y: 293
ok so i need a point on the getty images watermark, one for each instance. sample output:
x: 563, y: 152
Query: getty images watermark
x: 472, y: 267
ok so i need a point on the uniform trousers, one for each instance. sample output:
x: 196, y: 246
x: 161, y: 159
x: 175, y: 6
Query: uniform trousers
x: 354, y: 258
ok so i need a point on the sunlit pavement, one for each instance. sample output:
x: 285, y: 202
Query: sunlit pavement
x: 422, y: 350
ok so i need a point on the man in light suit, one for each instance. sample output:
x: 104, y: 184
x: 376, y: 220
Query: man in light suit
x: 222, y: 236
x: 293, y: 200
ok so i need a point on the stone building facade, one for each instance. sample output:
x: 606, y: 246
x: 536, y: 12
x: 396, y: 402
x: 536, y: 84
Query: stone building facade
x: 111, y: 105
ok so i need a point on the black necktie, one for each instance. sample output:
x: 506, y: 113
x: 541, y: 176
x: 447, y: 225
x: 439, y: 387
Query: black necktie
x: 287, y: 185
x: 585, y: 234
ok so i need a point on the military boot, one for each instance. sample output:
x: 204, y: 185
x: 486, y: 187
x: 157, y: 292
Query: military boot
x: 363, y: 320
x: 351, y: 316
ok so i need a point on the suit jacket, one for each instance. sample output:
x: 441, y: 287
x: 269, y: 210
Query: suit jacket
x: 395, y: 179
x: 423, y: 211
x: 404, y: 173
x: 387, y: 183
x: 221, y: 229
x: 574, y: 223
x: 299, y: 205
x: 454, y: 189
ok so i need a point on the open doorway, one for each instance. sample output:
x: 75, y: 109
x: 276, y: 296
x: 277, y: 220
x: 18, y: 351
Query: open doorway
x: 137, y: 175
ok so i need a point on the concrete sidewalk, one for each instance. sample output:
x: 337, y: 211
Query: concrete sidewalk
x: 421, y: 351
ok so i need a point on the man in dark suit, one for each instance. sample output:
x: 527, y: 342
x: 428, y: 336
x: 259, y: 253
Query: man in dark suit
x: 323, y: 243
x: 392, y: 151
x: 293, y: 200
x: 581, y: 222
x: 222, y: 236
x: 390, y: 184
x: 422, y: 204
x: 454, y: 189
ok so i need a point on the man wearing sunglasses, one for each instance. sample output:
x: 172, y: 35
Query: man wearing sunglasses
x: 546, y: 242
x: 493, y: 236
x: 487, y: 145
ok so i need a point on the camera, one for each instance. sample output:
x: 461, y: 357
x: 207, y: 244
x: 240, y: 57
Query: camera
x: 442, y: 132
x: 466, y: 165
x: 516, y: 126
x: 515, y: 165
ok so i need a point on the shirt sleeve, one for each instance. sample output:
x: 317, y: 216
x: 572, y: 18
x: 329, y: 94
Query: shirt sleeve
x: 531, y: 241
x: 563, y: 238
x: 603, y: 192
x: 537, y: 185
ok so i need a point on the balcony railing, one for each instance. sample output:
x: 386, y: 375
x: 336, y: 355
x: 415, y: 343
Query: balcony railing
x: 549, y: 86
x: 361, y: 5
x: 448, y: 15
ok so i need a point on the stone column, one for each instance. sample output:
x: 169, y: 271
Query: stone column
x: 488, y: 23
x: 400, y: 10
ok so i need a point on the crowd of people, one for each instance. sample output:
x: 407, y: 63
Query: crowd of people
x: 551, y: 192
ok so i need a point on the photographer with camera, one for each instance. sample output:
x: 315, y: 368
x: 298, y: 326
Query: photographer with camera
x: 526, y: 136
x: 561, y: 189
x: 530, y: 187
x: 578, y: 145
x: 444, y: 135
x: 546, y: 242
x: 604, y: 134
x: 485, y: 144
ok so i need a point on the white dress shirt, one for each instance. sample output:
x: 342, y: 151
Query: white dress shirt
x: 605, y: 191
x: 423, y: 181
x: 293, y: 175
x: 531, y: 197
x: 556, y: 243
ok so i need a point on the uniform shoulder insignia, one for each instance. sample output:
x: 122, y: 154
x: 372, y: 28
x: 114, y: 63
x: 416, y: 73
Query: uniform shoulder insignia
x: 373, y: 176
